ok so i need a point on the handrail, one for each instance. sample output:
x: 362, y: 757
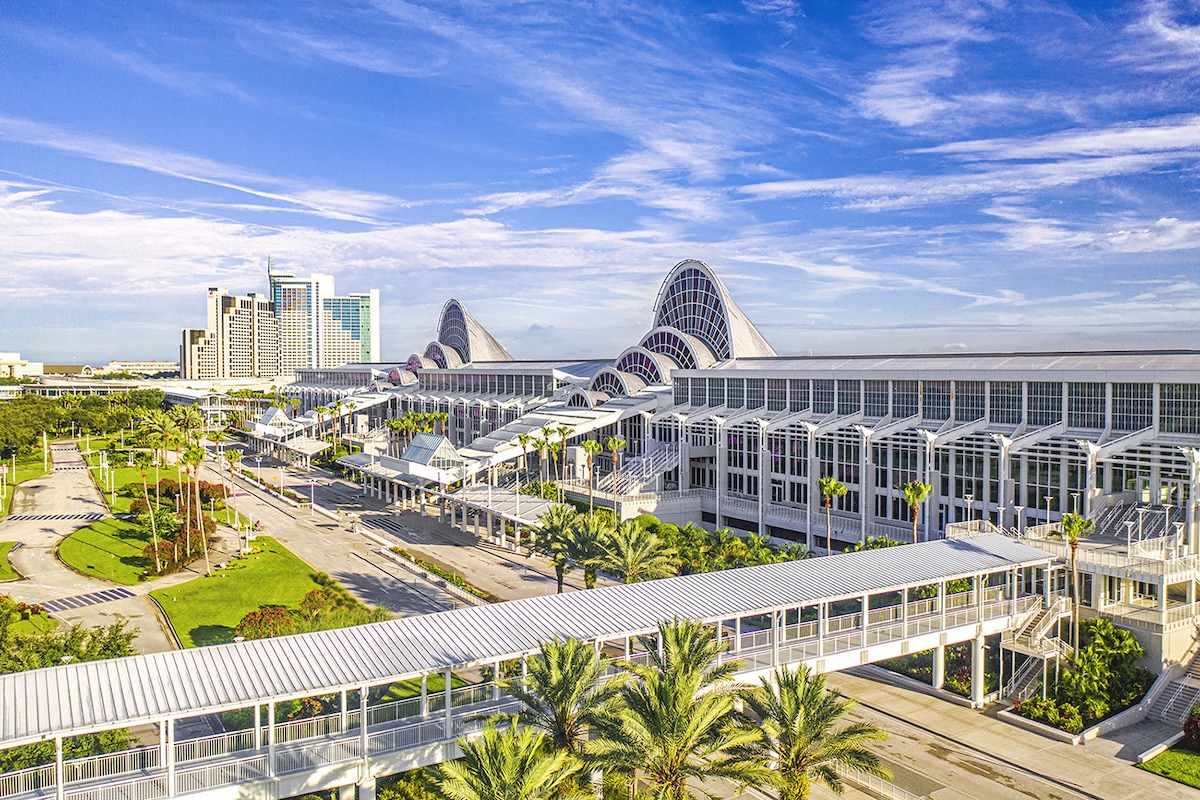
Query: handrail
x: 225, y: 759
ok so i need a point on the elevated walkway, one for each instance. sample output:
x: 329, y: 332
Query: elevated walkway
x: 828, y: 613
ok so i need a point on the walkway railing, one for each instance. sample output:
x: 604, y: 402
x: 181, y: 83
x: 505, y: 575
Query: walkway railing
x: 309, y: 744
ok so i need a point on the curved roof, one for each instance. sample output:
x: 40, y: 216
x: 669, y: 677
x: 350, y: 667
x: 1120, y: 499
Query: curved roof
x: 684, y: 349
x: 693, y: 300
x: 459, y: 330
x: 651, y: 367
x: 614, y: 383
x: 442, y: 355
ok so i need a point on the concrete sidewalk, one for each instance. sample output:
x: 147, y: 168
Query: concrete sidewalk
x: 946, y: 752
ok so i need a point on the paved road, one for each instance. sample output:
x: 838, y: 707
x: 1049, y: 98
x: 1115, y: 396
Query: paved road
x: 948, y: 752
x: 57, y: 501
x: 503, y: 573
x: 331, y: 547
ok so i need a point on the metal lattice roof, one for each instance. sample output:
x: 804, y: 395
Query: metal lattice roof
x: 76, y: 698
x: 424, y: 447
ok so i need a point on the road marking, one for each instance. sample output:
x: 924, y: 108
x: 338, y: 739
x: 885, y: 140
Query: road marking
x: 49, y: 517
x: 83, y: 600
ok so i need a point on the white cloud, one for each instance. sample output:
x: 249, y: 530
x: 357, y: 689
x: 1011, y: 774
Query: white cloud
x: 333, y: 203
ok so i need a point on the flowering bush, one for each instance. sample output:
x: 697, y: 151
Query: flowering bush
x: 265, y: 623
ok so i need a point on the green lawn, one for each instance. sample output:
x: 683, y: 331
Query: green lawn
x: 1180, y: 764
x: 110, y: 549
x: 28, y: 467
x: 403, y: 690
x: 205, y: 611
x: 6, y: 571
x: 36, y: 624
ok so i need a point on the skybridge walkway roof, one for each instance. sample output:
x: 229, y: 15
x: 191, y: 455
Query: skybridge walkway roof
x: 99, y: 695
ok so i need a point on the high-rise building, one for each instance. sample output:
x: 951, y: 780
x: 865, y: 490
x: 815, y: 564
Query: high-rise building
x: 350, y: 329
x: 317, y: 329
x: 241, y: 340
x: 298, y: 304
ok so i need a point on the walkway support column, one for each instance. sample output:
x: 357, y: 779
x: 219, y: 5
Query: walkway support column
x: 449, y: 729
x: 271, y: 738
x: 59, y: 788
x: 977, y: 672
x: 366, y: 789
x: 939, y: 666
x: 170, y: 759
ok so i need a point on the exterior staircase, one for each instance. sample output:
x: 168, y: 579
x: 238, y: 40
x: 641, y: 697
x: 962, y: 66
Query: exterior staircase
x: 1179, y: 697
x: 1035, y: 639
x: 636, y: 474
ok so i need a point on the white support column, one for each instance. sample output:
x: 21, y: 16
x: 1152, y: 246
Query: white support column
x: 939, y: 666
x: 977, y: 674
x: 496, y: 678
x: 775, y: 631
x: 257, y: 726
x: 345, y: 712
x: 59, y: 788
x: 463, y: 510
x: 822, y: 625
x: 366, y: 789
x: 424, y: 697
x: 346, y: 792
x: 737, y: 635
x: 449, y: 676
x: 170, y: 757
x: 722, y: 453
x: 491, y: 528
x: 363, y: 722
x: 811, y: 495
x: 271, y: 738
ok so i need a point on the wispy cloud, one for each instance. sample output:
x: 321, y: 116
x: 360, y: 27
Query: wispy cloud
x: 332, y: 203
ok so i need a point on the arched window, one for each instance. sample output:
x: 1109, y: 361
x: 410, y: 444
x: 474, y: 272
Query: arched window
x: 579, y: 400
x: 452, y: 330
x: 692, y: 303
x: 640, y: 362
x: 610, y: 383
x: 444, y: 357
x: 687, y: 352
x: 418, y: 363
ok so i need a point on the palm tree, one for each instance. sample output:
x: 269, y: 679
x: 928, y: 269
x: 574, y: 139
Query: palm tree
x: 320, y: 411
x: 592, y: 448
x: 552, y: 448
x: 1073, y: 528
x: 635, y: 554
x: 523, y: 439
x: 233, y: 457
x: 798, y: 714
x: 564, y: 433
x: 552, y: 537
x: 915, y: 493
x: 565, y: 693
x: 587, y: 544
x: 189, y: 419
x: 216, y: 437
x: 830, y: 488
x: 150, y: 512
x: 679, y: 724
x: 193, y: 457
x: 509, y: 763
x: 539, y: 446
x: 614, y: 445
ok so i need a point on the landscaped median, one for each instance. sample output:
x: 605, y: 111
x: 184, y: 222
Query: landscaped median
x: 207, y: 611
x: 111, y: 549
x: 7, y: 573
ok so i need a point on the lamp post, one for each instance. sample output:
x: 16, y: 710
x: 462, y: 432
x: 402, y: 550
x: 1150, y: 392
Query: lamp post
x: 1167, y: 518
x: 1020, y: 518
x: 1049, y: 500
x: 1075, y: 503
x: 258, y: 468
x: 1141, y: 526
x: 969, y: 498
x: 312, y: 495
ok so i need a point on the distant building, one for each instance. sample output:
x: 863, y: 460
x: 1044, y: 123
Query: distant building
x: 152, y: 367
x: 13, y: 366
x: 318, y: 329
x: 241, y: 340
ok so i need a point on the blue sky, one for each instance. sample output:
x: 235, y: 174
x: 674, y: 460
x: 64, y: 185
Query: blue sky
x: 874, y: 177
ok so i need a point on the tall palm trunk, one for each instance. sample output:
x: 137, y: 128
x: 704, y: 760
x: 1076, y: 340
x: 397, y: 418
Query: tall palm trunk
x: 1074, y: 598
x: 914, y: 516
x: 200, y: 524
x: 153, y: 524
x: 828, y: 523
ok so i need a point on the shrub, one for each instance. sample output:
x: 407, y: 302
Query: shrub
x: 1191, y: 728
x: 139, y: 506
x: 266, y: 622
